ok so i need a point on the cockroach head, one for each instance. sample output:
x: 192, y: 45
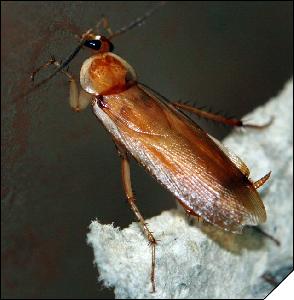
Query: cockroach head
x: 98, y: 43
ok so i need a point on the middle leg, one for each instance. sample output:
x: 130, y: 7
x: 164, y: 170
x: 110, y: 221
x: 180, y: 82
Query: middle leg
x: 126, y: 180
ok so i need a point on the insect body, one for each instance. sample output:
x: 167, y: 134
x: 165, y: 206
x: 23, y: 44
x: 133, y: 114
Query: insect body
x: 208, y: 180
x: 205, y: 177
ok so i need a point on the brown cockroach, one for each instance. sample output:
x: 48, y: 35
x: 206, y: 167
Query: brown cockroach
x: 208, y: 180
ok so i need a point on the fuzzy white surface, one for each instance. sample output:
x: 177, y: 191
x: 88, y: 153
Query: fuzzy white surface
x: 201, y: 261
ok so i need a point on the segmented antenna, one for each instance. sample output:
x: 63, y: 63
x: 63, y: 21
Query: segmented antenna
x: 62, y: 66
x: 137, y: 22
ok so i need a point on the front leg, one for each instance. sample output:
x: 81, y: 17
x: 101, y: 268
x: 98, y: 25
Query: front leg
x: 126, y: 180
x: 77, y: 100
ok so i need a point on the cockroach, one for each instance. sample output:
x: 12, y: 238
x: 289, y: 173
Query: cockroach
x: 207, y: 179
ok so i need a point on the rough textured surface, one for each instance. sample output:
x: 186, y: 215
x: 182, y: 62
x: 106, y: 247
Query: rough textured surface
x: 199, y: 260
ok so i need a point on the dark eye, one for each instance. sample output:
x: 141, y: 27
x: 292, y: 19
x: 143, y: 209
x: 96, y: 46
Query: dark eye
x: 93, y: 44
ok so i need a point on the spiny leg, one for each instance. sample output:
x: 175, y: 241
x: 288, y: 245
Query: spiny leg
x: 126, y: 180
x: 77, y: 100
x: 61, y: 66
x: 219, y: 118
x: 64, y: 25
x: 44, y: 66
x: 50, y: 62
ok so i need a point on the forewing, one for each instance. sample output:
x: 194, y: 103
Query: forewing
x: 185, y: 159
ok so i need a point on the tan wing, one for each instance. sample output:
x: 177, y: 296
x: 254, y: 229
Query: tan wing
x: 239, y: 163
x: 185, y: 159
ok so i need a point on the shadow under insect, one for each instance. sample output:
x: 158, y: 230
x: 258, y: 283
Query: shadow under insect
x: 250, y: 239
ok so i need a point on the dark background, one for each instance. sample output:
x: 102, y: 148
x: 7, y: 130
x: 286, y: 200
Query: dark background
x: 60, y: 169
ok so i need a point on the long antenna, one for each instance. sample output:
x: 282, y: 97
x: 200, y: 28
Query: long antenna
x: 138, y: 21
x: 60, y: 68
x: 63, y: 65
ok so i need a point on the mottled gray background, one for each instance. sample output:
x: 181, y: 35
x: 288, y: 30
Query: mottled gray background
x: 60, y: 169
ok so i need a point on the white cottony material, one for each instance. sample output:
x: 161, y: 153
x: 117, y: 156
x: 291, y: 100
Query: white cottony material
x: 199, y: 260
